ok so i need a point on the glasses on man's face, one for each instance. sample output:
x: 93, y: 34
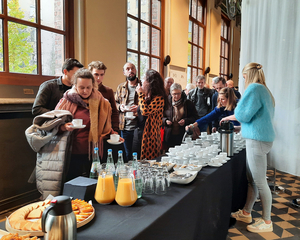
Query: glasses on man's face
x: 176, y: 94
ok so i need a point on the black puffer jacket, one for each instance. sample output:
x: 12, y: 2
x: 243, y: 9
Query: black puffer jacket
x: 203, y: 105
x: 190, y: 116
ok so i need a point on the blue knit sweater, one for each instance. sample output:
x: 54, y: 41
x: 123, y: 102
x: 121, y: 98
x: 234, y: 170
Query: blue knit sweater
x: 215, y: 116
x: 255, y: 111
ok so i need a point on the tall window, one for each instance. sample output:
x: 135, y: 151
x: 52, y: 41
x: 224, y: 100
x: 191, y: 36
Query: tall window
x: 144, y: 34
x: 196, y: 40
x: 225, y: 41
x: 34, y: 39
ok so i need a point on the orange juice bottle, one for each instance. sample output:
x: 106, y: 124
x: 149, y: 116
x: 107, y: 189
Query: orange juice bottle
x: 126, y: 192
x: 105, y: 191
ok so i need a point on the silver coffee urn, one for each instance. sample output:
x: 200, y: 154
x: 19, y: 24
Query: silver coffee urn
x: 59, y: 221
x: 226, y: 131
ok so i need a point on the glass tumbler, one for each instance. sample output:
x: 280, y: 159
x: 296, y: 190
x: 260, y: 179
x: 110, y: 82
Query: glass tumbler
x: 160, y: 187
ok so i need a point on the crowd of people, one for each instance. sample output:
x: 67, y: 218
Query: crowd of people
x: 162, y: 112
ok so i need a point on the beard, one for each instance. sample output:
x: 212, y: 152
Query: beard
x: 131, y: 78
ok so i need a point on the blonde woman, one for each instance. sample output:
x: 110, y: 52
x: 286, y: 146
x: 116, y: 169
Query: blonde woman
x: 255, y: 112
x: 225, y: 107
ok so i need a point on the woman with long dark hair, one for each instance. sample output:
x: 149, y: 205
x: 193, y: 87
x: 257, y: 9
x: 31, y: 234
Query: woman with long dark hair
x: 152, y: 101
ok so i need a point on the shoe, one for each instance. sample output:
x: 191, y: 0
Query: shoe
x: 260, y: 226
x: 296, y: 202
x: 240, y: 216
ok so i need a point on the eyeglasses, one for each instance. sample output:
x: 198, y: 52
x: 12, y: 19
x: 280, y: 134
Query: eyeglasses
x: 174, y: 94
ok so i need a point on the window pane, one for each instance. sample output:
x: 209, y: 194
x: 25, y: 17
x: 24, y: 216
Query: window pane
x: 22, y: 9
x: 155, y: 42
x: 201, y: 37
x: 222, y: 48
x: 145, y: 10
x: 225, y: 31
x: 226, y: 50
x: 222, y: 65
x: 189, y: 54
x: 195, y: 56
x: 52, y: 13
x: 200, y: 72
x: 194, y: 74
x: 1, y: 46
x: 132, y: 38
x: 195, y: 34
x: 156, y: 12
x: 0, y: 6
x: 199, y: 12
x: 188, y: 73
x: 200, y: 59
x: 145, y: 39
x: 53, y: 49
x: 226, y: 67
x: 222, y: 29
x: 194, y: 8
x: 132, y: 7
x: 133, y: 58
x: 190, y: 31
x: 155, y: 64
x: 144, y: 65
x: 22, y: 48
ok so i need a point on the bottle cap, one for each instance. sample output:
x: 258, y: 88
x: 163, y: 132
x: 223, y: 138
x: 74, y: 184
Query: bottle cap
x: 120, y: 151
x: 134, y: 154
x: 96, y: 149
x: 109, y: 150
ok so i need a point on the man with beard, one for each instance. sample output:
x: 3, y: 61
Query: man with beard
x: 127, y: 101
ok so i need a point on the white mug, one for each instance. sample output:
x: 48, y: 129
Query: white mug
x: 114, y: 137
x: 129, y: 114
x: 77, y: 122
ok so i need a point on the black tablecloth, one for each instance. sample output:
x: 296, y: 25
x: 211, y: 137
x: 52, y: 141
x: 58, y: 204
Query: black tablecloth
x: 199, y: 210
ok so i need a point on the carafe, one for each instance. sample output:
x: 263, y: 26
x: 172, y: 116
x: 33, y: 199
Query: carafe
x: 126, y: 193
x: 105, y: 191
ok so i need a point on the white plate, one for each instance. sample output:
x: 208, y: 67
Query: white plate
x: 113, y: 143
x: 190, y: 168
x: 129, y: 118
x: 151, y: 162
x: 215, y: 164
x: 186, y: 180
x: 77, y: 127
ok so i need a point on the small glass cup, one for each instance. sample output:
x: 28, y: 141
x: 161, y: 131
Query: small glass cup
x: 161, y: 187
x: 148, y: 187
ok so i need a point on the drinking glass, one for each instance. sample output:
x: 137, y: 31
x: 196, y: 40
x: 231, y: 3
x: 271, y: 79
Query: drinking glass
x: 148, y: 187
x: 161, y: 187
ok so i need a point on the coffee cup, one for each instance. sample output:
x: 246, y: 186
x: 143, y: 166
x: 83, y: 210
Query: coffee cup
x: 129, y: 114
x: 114, y: 137
x: 77, y: 122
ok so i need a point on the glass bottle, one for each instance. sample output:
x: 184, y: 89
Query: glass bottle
x: 135, y: 164
x: 95, y: 164
x: 137, y: 175
x: 120, y: 165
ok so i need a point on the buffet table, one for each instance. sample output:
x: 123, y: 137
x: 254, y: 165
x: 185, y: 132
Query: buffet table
x: 199, y: 210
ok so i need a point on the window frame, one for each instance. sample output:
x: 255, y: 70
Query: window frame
x: 150, y: 25
x: 226, y: 21
x: 25, y: 79
x: 202, y: 25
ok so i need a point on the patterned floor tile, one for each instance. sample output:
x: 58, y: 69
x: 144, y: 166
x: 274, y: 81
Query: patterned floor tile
x: 285, y: 216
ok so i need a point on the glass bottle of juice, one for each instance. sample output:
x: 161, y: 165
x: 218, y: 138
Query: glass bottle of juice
x: 95, y: 164
x: 120, y: 165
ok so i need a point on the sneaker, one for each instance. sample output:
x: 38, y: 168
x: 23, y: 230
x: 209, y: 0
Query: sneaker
x: 260, y: 226
x: 240, y: 216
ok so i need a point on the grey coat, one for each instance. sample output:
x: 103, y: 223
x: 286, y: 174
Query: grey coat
x: 53, y: 150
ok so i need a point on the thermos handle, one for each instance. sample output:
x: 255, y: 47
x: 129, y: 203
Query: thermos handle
x: 44, y: 216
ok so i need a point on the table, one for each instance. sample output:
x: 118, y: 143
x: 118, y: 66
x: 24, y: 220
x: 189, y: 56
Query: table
x: 199, y: 210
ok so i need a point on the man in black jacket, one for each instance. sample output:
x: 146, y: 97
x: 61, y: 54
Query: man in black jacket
x: 50, y: 92
x: 201, y: 97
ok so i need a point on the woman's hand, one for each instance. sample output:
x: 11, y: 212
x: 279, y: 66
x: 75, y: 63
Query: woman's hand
x: 214, y: 129
x: 237, y: 129
x: 229, y: 118
x: 181, y: 122
x: 168, y: 122
x: 133, y: 108
x: 67, y: 127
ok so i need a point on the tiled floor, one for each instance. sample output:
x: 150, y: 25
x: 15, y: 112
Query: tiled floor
x: 285, y: 217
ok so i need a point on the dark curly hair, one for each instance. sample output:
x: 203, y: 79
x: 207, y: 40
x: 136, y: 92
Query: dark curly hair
x: 156, y: 86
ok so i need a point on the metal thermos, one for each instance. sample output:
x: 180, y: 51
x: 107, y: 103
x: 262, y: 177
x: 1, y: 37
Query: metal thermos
x: 59, y: 221
x: 226, y: 132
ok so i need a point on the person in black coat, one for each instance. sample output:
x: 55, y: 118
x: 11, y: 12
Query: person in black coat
x: 180, y: 113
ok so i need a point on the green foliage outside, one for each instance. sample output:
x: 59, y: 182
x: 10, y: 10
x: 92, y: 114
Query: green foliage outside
x: 19, y: 44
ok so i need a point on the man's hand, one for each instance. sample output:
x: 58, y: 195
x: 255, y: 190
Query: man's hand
x: 122, y: 108
x: 168, y: 122
x: 133, y: 108
x: 67, y: 127
x: 181, y: 122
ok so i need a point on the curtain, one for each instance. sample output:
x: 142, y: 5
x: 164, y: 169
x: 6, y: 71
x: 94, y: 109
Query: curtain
x: 270, y: 35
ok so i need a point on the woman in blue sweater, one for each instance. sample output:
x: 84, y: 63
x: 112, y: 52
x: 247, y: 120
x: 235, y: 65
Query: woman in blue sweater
x: 226, y: 105
x: 255, y: 112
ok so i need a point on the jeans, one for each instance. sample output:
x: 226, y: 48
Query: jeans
x: 128, y: 137
x: 256, y: 152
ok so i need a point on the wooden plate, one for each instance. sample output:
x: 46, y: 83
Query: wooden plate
x: 10, y: 229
